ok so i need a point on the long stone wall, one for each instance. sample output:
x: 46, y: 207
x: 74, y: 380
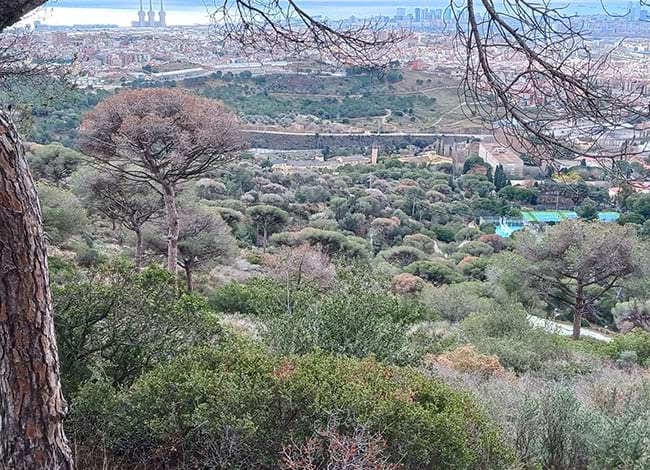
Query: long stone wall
x: 278, y: 141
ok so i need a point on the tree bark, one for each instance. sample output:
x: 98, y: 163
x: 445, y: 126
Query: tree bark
x: 138, y: 249
x: 31, y: 401
x: 266, y: 235
x: 578, y: 310
x: 169, y: 195
x: 188, y: 276
x: 12, y: 11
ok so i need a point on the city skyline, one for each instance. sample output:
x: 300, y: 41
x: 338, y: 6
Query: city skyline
x: 188, y: 12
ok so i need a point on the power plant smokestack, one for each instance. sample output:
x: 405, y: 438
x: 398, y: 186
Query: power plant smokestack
x: 162, y: 15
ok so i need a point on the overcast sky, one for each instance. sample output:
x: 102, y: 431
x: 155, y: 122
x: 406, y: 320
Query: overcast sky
x: 122, y: 12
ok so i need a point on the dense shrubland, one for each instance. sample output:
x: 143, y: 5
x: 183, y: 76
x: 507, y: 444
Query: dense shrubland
x: 319, y: 313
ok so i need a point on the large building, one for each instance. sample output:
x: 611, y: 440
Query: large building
x: 148, y: 19
x: 495, y: 155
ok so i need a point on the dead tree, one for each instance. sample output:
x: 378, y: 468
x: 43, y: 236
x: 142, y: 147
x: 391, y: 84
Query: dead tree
x: 162, y: 138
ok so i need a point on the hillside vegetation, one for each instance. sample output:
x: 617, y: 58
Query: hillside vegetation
x: 360, y: 314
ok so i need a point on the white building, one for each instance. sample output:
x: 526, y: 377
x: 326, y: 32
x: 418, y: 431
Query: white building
x: 495, y: 155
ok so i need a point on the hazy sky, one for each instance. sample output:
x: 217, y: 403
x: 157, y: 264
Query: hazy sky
x: 122, y: 12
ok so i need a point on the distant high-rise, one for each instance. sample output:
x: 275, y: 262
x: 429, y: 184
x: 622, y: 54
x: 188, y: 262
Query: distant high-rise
x: 418, y: 14
x: 162, y: 15
x: 401, y: 13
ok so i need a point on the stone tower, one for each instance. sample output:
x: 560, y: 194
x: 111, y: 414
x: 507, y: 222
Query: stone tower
x: 374, y: 154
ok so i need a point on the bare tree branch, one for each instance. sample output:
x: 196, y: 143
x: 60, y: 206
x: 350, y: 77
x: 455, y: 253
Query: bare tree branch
x: 283, y: 27
x: 530, y: 75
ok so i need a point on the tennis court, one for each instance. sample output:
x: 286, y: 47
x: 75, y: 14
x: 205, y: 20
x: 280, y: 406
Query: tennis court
x: 554, y: 217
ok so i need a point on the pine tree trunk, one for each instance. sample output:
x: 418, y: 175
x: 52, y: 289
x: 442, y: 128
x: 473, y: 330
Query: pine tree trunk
x: 188, y: 276
x: 169, y: 195
x: 138, y: 249
x: 578, y: 311
x: 31, y: 402
x: 266, y: 236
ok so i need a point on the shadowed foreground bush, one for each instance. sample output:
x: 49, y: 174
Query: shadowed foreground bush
x: 238, y: 407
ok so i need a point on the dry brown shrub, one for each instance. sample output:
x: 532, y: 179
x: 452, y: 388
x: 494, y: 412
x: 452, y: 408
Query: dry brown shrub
x: 405, y: 283
x: 467, y: 260
x: 285, y: 370
x: 297, y: 265
x: 467, y: 359
x: 495, y: 241
x: 330, y: 449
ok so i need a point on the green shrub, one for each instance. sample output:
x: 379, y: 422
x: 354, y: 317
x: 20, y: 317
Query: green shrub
x: 488, y: 228
x: 435, y: 272
x: 89, y: 257
x: 455, y: 302
x: 506, y: 332
x: 558, y: 430
x: 63, y: 213
x: 257, y: 296
x: 444, y: 234
x: 332, y: 242
x: 53, y: 163
x: 123, y: 322
x: 357, y: 316
x: 637, y: 341
x: 420, y: 241
x: 254, y: 257
x: 474, y: 268
x: 503, y: 321
x: 402, y: 255
x: 468, y: 233
x: 237, y: 407
x: 61, y: 270
x: 476, y: 248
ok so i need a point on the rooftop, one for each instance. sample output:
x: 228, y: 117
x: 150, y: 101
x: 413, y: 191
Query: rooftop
x: 503, y: 154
